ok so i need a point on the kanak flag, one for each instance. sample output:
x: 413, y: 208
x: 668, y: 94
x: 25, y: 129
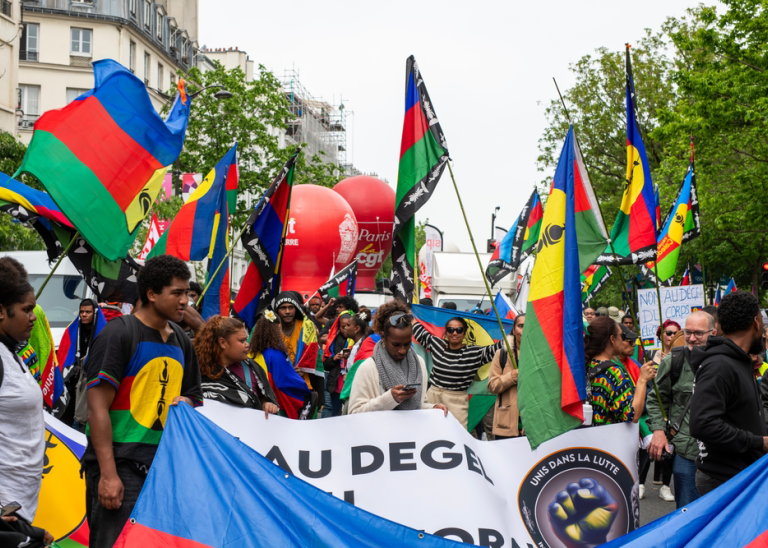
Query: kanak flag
x: 553, y: 380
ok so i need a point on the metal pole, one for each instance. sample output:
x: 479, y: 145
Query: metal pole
x: 61, y: 258
x: 479, y: 264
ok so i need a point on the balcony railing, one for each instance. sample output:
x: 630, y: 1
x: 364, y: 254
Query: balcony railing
x: 28, y: 121
x: 6, y: 8
x: 25, y: 55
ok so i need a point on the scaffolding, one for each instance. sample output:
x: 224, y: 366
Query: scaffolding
x: 322, y: 125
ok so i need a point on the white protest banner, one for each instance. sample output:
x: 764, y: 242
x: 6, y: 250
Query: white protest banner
x: 424, y: 470
x: 677, y: 303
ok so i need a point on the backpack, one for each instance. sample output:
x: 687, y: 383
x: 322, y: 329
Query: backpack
x: 678, y: 361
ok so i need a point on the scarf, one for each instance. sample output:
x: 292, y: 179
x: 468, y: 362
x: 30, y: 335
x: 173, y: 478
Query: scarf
x: 231, y: 390
x: 392, y: 373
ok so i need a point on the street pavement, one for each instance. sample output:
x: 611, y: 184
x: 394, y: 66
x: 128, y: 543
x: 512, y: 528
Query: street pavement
x: 651, y: 506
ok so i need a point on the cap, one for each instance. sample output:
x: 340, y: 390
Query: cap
x: 628, y: 333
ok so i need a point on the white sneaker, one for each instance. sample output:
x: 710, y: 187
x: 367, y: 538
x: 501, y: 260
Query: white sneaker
x: 666, y: 494
x: 642, y: 491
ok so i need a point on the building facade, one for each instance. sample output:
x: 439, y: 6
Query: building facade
x: 61, y: 38
x: 10, y: 38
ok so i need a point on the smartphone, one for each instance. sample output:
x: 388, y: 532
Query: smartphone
x: 414, y: 386
x: 10, y: 508
x: 346, y: 352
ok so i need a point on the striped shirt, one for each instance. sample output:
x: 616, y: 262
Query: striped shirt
x: 453, y: 369
x: 612, y: 393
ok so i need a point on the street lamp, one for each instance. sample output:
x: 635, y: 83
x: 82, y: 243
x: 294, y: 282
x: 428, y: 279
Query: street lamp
x: 221, y: 94
x: 493, y: 222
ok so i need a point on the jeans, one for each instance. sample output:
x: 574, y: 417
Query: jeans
x: 327, y: 406
x: 705, y: 483
x: 684, y: 471
x: 106, y: 525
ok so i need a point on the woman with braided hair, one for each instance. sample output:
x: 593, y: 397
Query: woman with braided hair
x: 395, y: 377
x: 227, y: 374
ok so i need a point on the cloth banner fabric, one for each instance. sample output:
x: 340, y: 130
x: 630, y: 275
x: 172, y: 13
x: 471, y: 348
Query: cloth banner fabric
x: 677, y: 303
x: 61, y: 504
x: 423, y: 470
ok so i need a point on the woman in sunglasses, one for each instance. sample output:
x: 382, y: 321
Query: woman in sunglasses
x: 614, y: 395
x: 454, y: 365
x: 665, y: 333
x: 394, y: 377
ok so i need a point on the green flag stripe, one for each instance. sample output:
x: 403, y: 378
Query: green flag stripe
x: 539, y: 396
x: 416, y: 164
x: 92, y: 201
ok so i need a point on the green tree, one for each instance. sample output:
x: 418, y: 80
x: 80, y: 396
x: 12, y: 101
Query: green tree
x: 722, y: 82
x: 13, y: 235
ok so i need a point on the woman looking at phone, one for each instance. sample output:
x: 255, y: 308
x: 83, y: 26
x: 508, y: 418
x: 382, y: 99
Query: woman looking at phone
x: 395, y: 377
x: 454, y: 365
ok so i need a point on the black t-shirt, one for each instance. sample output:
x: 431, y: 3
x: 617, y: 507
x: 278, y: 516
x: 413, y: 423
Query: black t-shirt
x: 147, y: 374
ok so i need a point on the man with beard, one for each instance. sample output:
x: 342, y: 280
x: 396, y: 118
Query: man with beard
x: 300, y: 340
x: 726, y: 411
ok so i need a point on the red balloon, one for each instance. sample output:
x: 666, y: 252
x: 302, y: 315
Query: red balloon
x: 373, y: 202
x: 322, y: 230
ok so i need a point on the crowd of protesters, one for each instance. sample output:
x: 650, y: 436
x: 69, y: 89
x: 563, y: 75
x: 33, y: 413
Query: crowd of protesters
x: 702, y: 424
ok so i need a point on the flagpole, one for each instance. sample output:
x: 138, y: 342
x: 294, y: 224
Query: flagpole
x: 480, y: 264
x: 224, y: 260
x: 61, y: 258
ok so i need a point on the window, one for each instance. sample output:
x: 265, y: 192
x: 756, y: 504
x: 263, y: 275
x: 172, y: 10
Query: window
x: 146, y: 69
x: 81, y: 42
x: 132, y: 56
x: 159, y: 25
x: 30, y: 105
x: 159, y: 76
x: 30, y: 42
x: 74, y: 93
x: 132, y: 7
x: 173, y: 80
x: 147, y: 13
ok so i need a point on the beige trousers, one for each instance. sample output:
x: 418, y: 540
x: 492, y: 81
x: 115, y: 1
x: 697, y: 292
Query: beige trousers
x: 456, y: 402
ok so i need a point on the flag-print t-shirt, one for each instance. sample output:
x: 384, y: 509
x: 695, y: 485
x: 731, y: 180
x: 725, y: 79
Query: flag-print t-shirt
x: 148, y: 374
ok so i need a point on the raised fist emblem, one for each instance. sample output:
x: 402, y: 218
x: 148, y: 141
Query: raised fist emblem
x: 582, y: 515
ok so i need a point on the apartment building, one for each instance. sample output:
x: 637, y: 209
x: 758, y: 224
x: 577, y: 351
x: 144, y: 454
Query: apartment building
x: 60, y: 38
x: 10, y: 37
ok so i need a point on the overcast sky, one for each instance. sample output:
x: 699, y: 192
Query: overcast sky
x: 488, y: 67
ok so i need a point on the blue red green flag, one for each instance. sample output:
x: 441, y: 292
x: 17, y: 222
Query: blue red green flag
x: 263, y: 238
x: 518, y: 243
x: 111, y: 147
x: 341, y: 284
x: 423, y: 156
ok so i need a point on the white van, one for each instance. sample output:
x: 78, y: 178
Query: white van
x: 61, y: 297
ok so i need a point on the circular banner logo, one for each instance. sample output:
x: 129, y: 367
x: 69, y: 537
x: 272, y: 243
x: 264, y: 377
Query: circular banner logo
x: 578, y: 498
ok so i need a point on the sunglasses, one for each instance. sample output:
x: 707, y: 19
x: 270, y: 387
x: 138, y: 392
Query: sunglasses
x: 669, y: 333
x: 452, y: 330
x: 400, y: 320
x: 625, y: 339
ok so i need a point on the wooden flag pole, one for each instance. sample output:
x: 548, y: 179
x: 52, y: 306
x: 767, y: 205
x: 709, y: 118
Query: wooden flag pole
x: 224, y: 260
x: 61, y: 258
x: 482, y: 271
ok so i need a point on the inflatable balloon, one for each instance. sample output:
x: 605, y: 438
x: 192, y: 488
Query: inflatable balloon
x: 321, y: 236
x: 373, y: 202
